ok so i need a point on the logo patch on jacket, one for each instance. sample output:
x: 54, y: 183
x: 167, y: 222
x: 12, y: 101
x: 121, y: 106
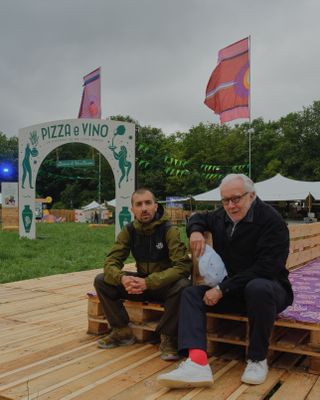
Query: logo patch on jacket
x: 159, y: 246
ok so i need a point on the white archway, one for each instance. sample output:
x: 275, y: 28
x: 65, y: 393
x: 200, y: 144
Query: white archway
x: 115, y: 140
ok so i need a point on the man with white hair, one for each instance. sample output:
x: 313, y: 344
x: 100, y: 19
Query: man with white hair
x: 253, y: 241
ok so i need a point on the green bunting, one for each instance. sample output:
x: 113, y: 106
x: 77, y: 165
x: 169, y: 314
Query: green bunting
x: 177, y: 167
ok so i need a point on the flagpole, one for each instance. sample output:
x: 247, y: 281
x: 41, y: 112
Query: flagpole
x: 249, y: 57
x: 99, y: 179
x: 99, y: 183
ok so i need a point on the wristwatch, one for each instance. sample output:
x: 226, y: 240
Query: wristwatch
x: 219, y: 289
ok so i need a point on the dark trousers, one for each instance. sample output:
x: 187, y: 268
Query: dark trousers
x: 261, y: 300
x: 111, y: 300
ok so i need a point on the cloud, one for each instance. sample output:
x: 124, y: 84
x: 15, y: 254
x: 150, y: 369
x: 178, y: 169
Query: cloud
x: 156, y: 57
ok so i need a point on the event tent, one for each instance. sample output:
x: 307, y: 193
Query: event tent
x: 112, y: 203
x: 93, y: 206
x: 277, y: 188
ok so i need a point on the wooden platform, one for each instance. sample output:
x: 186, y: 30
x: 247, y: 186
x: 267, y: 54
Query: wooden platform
x: 46, y: 353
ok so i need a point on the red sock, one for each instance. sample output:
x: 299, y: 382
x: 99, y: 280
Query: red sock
x: 198, y: 356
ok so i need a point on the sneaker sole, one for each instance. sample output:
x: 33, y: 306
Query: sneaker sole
x: 252, y: 382
x: 117, y: 344
x: 170, y: 357
x: 181, y: 384
x: 127, y: 342
x: 107, y: 346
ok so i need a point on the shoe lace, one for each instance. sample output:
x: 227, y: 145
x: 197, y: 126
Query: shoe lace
x: 184, y: 363
x: 168, y: 343
x: 253, y: 365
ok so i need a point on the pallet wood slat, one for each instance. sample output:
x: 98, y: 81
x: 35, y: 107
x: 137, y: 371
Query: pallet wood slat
x: 295, y: 386
x: 314, y: 393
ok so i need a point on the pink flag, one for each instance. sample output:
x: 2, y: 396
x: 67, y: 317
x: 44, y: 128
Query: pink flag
x: 227, y: 92
x: 90, y: 103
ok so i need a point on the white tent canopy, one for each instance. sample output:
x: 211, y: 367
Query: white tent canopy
x: 211, y: 195
x: 277, y: 188
x: 93, y: 206
x: 280, y: 188
x: 112, y: 203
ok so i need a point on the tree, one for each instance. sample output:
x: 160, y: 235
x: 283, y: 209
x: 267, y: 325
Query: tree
x: 8, y: 158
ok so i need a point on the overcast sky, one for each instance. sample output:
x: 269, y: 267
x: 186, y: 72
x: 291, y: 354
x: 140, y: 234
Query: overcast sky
x: 156, y: 57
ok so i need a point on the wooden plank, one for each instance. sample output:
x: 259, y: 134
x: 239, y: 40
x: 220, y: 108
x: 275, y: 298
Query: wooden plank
x: 52, y: 369
x: 301, y: 257
x: 221, y: 369
x: 292, y: 338
x: 299, y: 349
x: 84, y: 375
x: 107, y: 388
x: 295, y: 387
x: 314, y: 366
x: 43, y: 347
x: 297, y: 325
x: 286, y: 361
x: 303, y: 243
x: 226, y: 381
x: 230, y: 340
x: 314, y: 393
x: 298, y: 230
x: 10, y: 218
x: 315, y: 340
x: 5, y: 398
x: 42, y: 368
x: 37, y: 314
x: 146, y: 305
x: 260, y: 392
x: 17, y: 370
x: 71, y: 366
x: 26, y: 306
x: 98, y: 326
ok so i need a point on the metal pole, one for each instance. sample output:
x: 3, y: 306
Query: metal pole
x: 135, y: 163
x: 99, y: 180
x: 249, y: 133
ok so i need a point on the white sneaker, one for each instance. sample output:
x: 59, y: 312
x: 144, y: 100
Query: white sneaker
x: 188, y: 374
x: 255, y: 373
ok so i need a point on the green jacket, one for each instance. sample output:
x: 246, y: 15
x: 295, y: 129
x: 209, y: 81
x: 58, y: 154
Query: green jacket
x: 159, y: 274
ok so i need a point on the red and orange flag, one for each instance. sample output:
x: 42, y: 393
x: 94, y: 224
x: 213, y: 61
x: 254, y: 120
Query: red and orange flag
x: 228, y: 89
x: 90, y: 106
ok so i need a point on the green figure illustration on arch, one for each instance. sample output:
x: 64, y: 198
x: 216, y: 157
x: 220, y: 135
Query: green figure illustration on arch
x: 29, y: 152
x: 26, y: 166
x: 121, y: 155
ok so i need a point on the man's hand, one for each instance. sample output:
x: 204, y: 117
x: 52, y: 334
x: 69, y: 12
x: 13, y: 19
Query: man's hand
x: 197, y: 243
x: 133, y: 284
x: 212, y: 296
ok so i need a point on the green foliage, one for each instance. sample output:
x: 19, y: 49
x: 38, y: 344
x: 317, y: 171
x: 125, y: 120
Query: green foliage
x: 9, y: 153
x: 187, y: 162
x: 74, y: 187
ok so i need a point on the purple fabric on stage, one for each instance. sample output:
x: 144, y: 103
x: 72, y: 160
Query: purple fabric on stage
x: 306, y: 288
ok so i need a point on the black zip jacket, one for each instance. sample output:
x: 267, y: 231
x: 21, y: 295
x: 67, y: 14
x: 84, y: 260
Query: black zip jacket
x: 256, y: 247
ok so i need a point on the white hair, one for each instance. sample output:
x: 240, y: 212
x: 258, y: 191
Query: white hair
x: 248, y: 183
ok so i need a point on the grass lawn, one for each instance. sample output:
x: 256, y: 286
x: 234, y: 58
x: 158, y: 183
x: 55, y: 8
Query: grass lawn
x: 58, y: 249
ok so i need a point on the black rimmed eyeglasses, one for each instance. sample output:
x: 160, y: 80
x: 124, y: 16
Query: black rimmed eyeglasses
x: 234, y: 199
